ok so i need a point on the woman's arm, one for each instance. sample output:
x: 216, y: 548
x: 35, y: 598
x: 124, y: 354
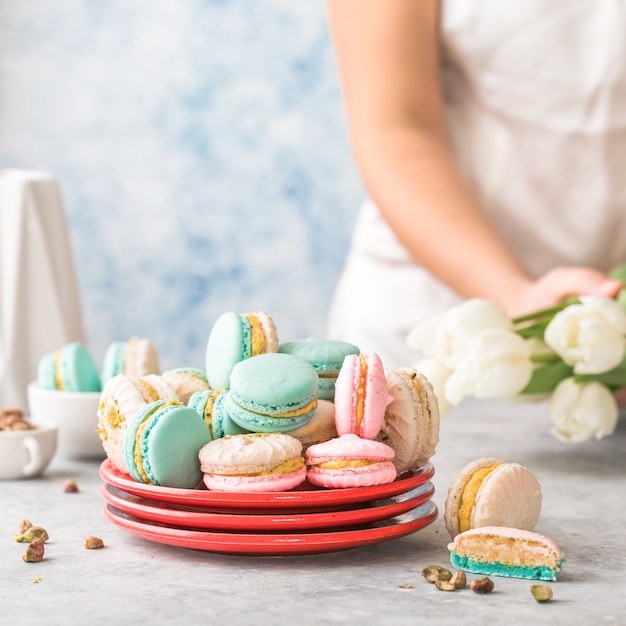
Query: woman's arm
x: 388, y: 58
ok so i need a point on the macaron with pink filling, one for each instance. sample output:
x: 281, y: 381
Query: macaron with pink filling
x: 361, y: 396
x: 350, y: 461
x: 253, y: 462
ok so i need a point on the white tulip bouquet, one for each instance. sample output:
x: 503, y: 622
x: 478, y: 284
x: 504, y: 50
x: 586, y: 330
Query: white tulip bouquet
x: 573, y: 354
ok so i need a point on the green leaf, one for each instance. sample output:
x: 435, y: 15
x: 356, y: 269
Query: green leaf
x: 614, y: 379
x: 619, y: 273
x: 545, y: 379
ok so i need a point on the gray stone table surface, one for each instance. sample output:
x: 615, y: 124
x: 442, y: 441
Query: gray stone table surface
x: 136, y: 581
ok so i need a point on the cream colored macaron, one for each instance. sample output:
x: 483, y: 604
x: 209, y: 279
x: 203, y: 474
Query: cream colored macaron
x: 411, y: 422
x: 492, y: 492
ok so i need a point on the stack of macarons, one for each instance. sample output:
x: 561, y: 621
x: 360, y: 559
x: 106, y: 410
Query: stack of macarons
x: 354, y: 422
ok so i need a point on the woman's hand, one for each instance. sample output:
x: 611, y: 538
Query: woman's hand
x: 556, y: 285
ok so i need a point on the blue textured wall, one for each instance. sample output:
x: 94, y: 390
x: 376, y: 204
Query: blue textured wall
x: 202, y: 155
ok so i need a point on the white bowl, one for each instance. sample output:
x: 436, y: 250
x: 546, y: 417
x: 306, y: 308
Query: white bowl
x: 75, y: 413
x: 27, y: 453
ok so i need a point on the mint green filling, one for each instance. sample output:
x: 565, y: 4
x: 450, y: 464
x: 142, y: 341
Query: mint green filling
x: 500, y: 569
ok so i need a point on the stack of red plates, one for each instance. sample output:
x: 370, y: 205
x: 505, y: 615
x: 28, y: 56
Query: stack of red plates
x: 305, y: 520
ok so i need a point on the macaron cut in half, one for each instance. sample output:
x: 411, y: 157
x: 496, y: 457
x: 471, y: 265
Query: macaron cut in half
x: 69, y: 369
x: 492, y: 492
x: 411, y: 421
x: 325, y: 355
x: 361, y: 396
x: 272, y: 392
x: 162, y: 443
x: 210, y: 405
x: 235, y: 337
x: 136, y: 357
x: 502, y: 551
x: 253, y: 462
x: 350, y: 461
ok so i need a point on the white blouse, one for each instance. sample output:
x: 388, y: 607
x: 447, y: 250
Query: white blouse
x: 536, y: 106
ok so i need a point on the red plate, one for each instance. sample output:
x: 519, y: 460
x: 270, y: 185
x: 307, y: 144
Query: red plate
x: 302, y: 498
x: 276, y: 544
x: 175, y: 515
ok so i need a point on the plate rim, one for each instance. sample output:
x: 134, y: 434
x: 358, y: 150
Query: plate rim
x: 165, y: 512
x: 298, y: 498
x: 262, y: 544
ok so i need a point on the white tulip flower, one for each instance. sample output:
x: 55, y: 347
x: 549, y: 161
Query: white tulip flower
x: 495, y: 364
x: 445, y: 336
x: 589, y: 336
x: 437, y: 374
x: 582, y: 411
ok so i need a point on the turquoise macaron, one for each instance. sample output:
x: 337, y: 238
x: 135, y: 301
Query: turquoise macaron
x: 325, y: 355
x: 233, y: 338
x: 113, y: 363
x: 162, y: 442
x: 211, y: 406
x: 272, y: 392
x: 69, y: 369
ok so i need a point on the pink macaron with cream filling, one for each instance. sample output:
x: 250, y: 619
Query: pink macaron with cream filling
x: 350, y: 461
x: 361, y: 396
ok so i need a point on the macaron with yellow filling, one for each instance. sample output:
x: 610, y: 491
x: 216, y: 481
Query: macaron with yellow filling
x: 210, y: 405
x: 361, y: 396
x: 271, y: 393
x: 71, y: 368
x: 235, y: 337
x: 253, y: 462
x: 162, y: 443
x: 350, y: 461
x: 492, y: 492
x: 411, y: 422
x: 122, y: 396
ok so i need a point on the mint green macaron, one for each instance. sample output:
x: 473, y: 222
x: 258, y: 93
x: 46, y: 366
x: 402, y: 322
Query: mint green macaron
x: 325, y: 355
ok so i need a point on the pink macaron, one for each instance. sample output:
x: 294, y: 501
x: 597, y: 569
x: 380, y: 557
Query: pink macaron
x: 361, y: 396
x: 350, y: 461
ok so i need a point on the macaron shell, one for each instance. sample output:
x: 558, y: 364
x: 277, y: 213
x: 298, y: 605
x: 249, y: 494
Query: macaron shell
x: 348, y: 447
x: 130, y: 438
x: 455, y: 491
x: 321, y: 426
x: 78, y: 372
x: 269, y: 331
x: 250, y: 453
x: 242, y: 484
x: 228, y: 344
x: 186, y: 381
x: 113, y: 364
x: 509, y: 496
x: 325, y: 355
x: 257, y: 423
x: 273, y: 383
x: 350, y: 385
x: 140, y: 357
x: 46, y: 377
x: 365, y: 476
x: 411, y: 421
x: 170, y: 445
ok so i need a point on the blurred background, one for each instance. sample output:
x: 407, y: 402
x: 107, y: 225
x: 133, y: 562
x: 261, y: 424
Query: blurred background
x: 202, y: 155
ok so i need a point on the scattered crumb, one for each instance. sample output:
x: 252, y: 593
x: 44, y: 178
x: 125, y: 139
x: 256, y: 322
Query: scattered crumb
x: 405, y: 586
x: 93, y: 543
x: 37, y: 580
x: 70, y: 486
